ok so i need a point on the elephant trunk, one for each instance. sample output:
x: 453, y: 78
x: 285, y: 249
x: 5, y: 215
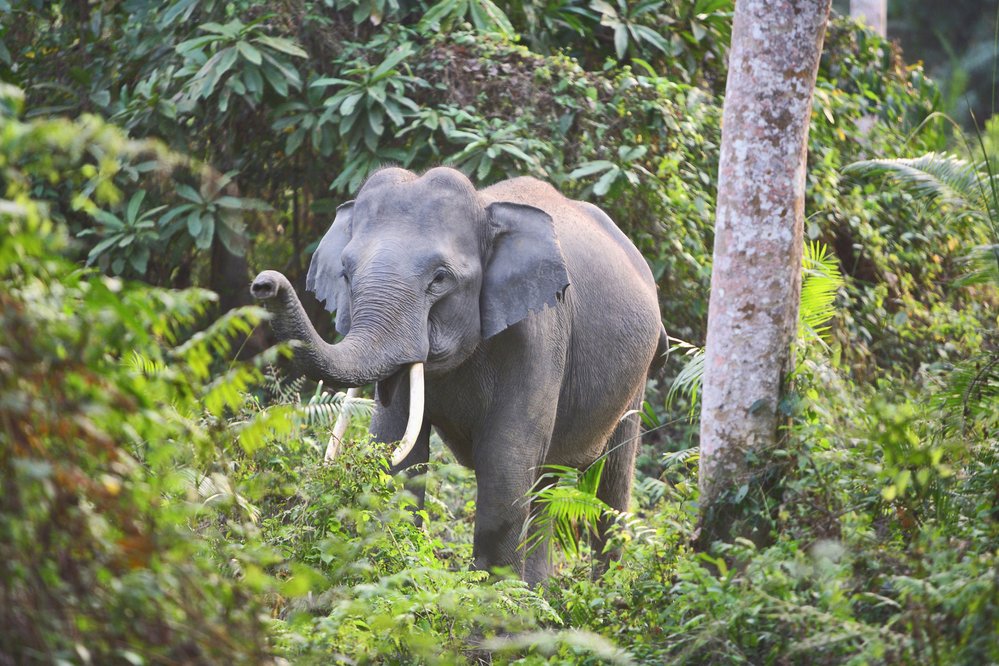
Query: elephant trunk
x: 354, y: 361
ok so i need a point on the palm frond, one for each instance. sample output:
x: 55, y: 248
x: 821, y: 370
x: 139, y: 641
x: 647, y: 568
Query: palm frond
x: 820, y: 281
x: 324, y: 407
x: 198, y: 352
x: 983, y: 266
x: 567, y: 508
x: 688, y: 382
x: 947, y: 179
x: 971, y: 393
x: 685, y: 456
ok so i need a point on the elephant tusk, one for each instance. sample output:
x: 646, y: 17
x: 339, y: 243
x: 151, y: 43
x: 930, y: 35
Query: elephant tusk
x: 415, y: 424
x: 340, y: 427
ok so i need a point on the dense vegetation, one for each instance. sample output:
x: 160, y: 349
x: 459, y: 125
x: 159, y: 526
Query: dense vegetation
x: 163, y: 503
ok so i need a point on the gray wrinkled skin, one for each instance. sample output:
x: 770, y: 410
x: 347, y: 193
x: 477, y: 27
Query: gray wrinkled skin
x: 536, y: 317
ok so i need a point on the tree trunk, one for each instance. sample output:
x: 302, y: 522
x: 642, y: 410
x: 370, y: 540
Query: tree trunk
x: 872, y: 12
x: 756, y: 280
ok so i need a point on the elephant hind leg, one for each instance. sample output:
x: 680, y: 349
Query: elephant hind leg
x: 615, y: 482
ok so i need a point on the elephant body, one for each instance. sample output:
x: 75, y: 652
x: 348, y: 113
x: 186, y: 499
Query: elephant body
x: 539, y: 327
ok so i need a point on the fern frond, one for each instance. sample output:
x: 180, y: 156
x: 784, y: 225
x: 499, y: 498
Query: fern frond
x: 228, y: 391
x: 567, y: 508
x: 216, y: 340
x: 217, y: 488
x: 270, y: 424
x: 144, y: 365
x: 324, y: 408
x: 684, y: 456
x: 971, y: 392
x: 983, y: 266
x: 171, y: 311
x: 820, y: 281
x: 688, y: 381
x: 635, y: 529
x: 944, y: 178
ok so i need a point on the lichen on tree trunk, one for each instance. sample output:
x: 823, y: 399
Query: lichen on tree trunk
x: 756, y: 277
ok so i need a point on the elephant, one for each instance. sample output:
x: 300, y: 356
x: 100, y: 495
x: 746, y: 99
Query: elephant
x: 529, y: 320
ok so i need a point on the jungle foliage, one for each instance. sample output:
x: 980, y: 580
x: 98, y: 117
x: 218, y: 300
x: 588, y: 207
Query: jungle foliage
x: 163, y: 504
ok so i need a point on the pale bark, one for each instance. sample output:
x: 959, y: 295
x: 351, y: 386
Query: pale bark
x: 872, y: 12
x: 756, y: 279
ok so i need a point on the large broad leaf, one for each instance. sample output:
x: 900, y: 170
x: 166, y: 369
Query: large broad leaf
x: 393, y: 59
x: 204, y: 240
x: 99, y: 249
x: 189, y: 193
x: 489, y: 18
x: 621, y: 39
x: 590, y: 168
x: 133, y: 206
x: 283, y: 45
x: 432, y: 18
x: 249, y: 52
x: 139, y: 259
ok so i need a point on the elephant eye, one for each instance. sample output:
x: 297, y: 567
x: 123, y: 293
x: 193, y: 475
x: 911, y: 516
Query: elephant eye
x: 440, y: 277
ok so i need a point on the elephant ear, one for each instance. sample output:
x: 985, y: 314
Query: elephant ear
x: 526, y: 269
x: 325, y: 278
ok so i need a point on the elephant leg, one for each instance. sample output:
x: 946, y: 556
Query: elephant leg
x: 538, y: 566
x: 615, y: 482
x: 507, y: 463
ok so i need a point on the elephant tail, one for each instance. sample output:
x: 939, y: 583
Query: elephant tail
x: 662, y: 351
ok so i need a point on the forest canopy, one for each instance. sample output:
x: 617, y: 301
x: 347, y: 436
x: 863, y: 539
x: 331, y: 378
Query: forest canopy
x: 164, y: 493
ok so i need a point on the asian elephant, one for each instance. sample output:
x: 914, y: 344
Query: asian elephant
x: 535, y: 318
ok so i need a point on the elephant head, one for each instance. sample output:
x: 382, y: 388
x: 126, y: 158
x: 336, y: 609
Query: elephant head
x: 418, y: 270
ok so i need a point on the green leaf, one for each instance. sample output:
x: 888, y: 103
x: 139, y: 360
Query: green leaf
x: 432, y: 18
x: 227, y: 58
x: 139, y: 259
x: 350, y: 103
x: 230, y: 29
x: 185, y: 47
x: 394, y: 58
x: 488, y: 16
x: 203, y: 241
x: 133, y: 206
x: 605, y: 182
x: 376, y: 120
x: 293, y: 141
x: 99, y: 249
x: 194, y: 224
x: 108, y: 219
x: 189, y: 193
x: 330, y: 81
x: 275, y: 79
x: 249, y: 52
x: 621, y: 40
x: 590, y: 168
x: 282, y: 44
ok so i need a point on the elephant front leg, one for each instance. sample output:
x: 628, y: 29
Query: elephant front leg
x: 501, y: 509
x: 506, y: 469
